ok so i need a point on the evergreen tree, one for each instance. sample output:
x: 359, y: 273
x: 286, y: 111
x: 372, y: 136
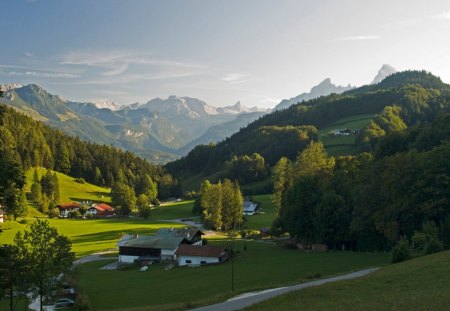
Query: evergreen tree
x: 15, y: 202
x: 62, y: 163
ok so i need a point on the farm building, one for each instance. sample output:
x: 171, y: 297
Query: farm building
x: 193, y: 255
x: 2, y: 213
x: 250, y: 208
x: 66, y: 208
x: 161, y: 246
x: 340, y: 132
x: 100, y: 210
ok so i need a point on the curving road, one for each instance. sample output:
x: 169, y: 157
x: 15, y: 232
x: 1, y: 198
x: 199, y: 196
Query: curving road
x: 248, y: 299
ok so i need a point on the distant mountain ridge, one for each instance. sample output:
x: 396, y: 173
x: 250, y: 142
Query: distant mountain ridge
x: 322, y: 89
x: 156, y: 129
x: 385, y: 71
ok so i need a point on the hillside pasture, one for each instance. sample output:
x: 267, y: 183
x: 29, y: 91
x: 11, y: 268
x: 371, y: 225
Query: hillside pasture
x: 70, y: 190
x: 418, y: 284
x: 337, y: 145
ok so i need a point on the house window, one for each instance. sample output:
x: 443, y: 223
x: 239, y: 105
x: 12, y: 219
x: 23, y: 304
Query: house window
x: 203, y: 262
x: 188, y: 261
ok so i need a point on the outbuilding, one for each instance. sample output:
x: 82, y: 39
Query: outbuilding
x: 1, y: 215
x: 193, y: 255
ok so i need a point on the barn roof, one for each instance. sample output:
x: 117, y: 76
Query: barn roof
x: 68, y: 205
x: 152, y: 241
x: 200, y: 251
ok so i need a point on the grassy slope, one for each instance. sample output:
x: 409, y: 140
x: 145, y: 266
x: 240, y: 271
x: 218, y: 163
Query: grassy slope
x: 419, y: 284
x: 259, y: 221
x: 343, y: 145
x: 72, y: 191
x: 184, y: 286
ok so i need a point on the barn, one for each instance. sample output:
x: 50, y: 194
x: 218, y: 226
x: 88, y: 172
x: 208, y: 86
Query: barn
x: 193, y: 255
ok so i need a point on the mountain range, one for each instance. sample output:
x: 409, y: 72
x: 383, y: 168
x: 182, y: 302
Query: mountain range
x: 160, y: 130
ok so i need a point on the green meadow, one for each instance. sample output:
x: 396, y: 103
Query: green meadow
x: 257, y: 266
x: 70, y: 190
x: 417, y: 284
x: 343, y: 145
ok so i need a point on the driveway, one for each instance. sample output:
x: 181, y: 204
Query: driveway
x: 248, y: 299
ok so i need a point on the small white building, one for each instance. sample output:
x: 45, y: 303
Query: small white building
x: 250, y: 208
x: 1, y: 214
x: 193, y: 255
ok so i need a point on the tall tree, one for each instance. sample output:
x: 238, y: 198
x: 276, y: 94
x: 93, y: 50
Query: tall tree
x: 13, y: 274
x: 124, y: 198
x: 282, y: 180
x: 211, y: 203
x: 48, y: 254
x: 313, y: 160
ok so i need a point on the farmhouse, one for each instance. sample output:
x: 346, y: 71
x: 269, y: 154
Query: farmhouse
x: 161, y: 246
x: 100, y: 210
x: 340, y: 132
x: 193, y: 255
x: 1, y: 214
x: 66, y: 208
x: 250, y: 208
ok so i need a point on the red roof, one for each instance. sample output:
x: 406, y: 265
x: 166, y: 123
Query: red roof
x: 103, y: 207
x: 200, y: 251
x: 69, y: 205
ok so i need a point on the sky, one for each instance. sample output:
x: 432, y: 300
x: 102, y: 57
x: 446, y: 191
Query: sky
x: 254, y: 51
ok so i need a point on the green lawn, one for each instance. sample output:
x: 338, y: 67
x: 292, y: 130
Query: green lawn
x: 418, y: 284
x: 343, y: 145
x: 264, y: 219
x: 261, y: 266
x: 72, y: 191
x: 90, y: 235
x: 175, y: 210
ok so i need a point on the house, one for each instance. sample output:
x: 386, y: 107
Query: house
x: 2, y: 213
x: 193, y: 255
x: 100, y: 210
x: 161, y: 246
x: 340, y: 132
x: 250, y: 208
x: 66, y: 208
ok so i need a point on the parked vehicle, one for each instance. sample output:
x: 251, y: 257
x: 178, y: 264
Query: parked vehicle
x: 63, y: 303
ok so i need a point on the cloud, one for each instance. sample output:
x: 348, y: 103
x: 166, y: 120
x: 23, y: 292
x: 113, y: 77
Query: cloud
x: 442, y: 15
x: 118, y: 62
x: 359, y: 38
x: 43, y: 74
x: 236, y: 78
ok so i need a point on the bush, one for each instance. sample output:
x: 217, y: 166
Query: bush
x: 74, y: 214
x: 53, y: 213
x: 23, y: 222
x: 80, y: 180
x: 434, y: 246
x: 401, y: 252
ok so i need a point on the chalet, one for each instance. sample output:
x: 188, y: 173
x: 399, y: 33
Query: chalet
x: 250, y: 208
x: 66, y: 208
x: 340, y: 132
x: 161, y: 246
x: 2, y: 213
x: 193, y: 255
x: 100, y: 210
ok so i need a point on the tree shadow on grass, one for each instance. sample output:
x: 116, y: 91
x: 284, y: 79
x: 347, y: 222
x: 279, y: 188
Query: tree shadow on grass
x: 100, y: 237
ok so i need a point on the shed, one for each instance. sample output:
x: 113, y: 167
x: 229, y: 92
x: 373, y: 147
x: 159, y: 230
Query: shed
x: 193, y: 255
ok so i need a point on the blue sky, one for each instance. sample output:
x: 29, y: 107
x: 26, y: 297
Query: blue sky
x: 255, y: 51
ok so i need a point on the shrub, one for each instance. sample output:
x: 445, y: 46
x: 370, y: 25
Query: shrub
x: 401, y: 251
x: 53, y: 213
x: 23, y: 222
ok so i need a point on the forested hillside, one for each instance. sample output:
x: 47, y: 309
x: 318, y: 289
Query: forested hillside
x: 401, y: 100
x: 25, y: 143
x: 370, y: 202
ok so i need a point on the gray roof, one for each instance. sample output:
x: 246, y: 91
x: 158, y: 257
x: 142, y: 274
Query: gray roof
x: 165, y: 238
x: 152, y: 241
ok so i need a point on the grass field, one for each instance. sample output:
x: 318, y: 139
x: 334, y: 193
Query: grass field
x: 343, y: 145
x: 264, y: 219
x: 72, y: 191
x: 174, y: 210
x: 418, y: 284
x: 90, y: 235
x: 262, y: 265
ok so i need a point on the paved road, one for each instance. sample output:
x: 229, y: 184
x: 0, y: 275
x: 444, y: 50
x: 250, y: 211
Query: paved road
x: 94, y: 257
x: 248, y: 299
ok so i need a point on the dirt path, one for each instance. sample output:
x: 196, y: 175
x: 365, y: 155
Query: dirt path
x: 248, y: 299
